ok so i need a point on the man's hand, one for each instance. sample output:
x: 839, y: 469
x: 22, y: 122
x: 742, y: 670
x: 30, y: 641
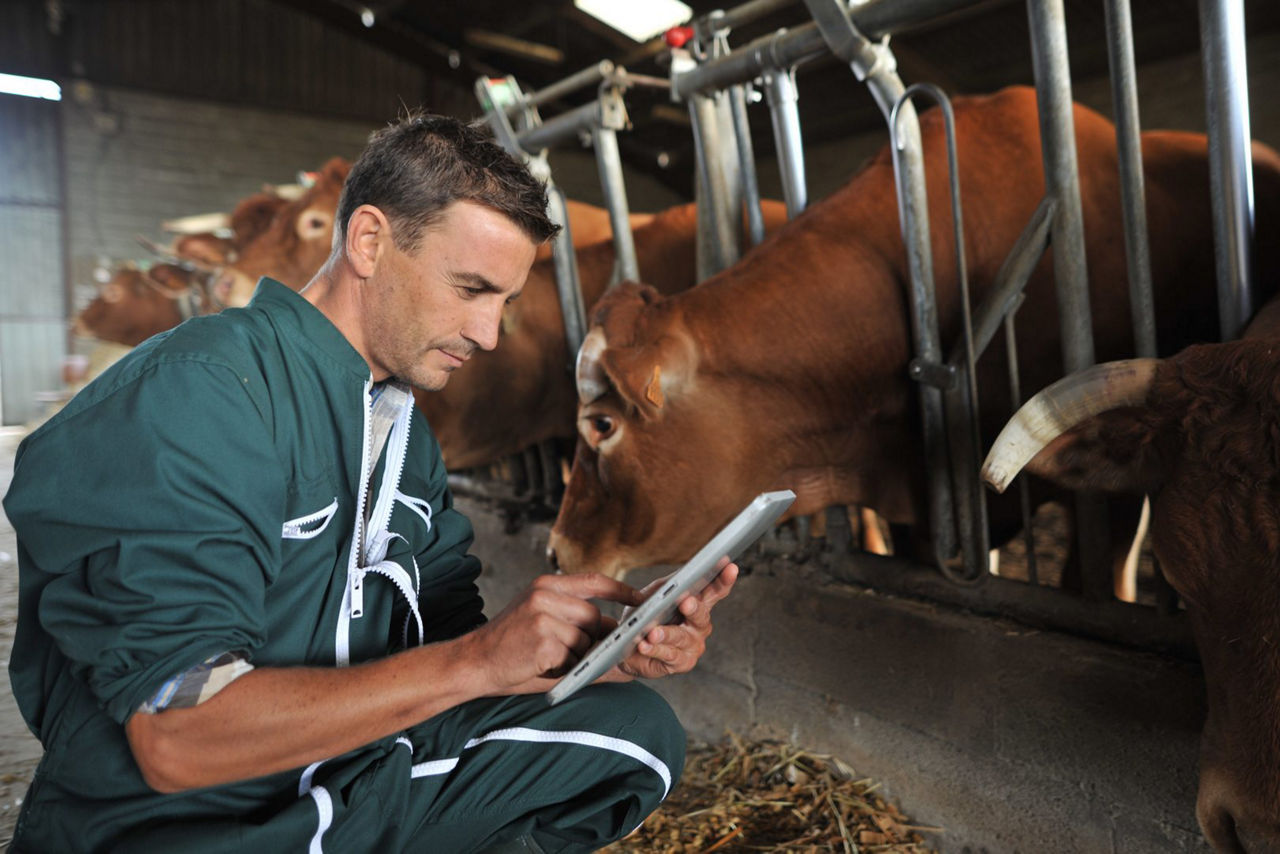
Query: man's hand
x: 676, y: 647
x: 546, y: 630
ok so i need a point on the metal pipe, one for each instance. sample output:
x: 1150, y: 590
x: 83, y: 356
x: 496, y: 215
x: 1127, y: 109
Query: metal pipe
x: 1230, y: 159
x: 780, y: 90
x: 1015, y: 398
x: 609, y: 162
x: 1062, y: 181
x: 1012, y: 277
x: 788, y: 48
x: 562, y: 128
x: 719, y: 243
x: 580, y: 80
x: 747, y: 164
x: 751, y: 11
x: 1124, y: 94
x: 565, y: 262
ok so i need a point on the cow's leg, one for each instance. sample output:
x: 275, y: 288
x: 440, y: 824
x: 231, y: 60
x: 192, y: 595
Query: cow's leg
x: 552, y: 484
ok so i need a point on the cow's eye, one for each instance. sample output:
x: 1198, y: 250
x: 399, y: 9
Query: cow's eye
x: 603, y: 425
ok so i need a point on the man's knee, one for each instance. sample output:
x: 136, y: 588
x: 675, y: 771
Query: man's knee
x: 636, y: 714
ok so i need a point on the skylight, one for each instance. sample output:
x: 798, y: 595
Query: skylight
x: 639, y: 19
x: 29, y: 87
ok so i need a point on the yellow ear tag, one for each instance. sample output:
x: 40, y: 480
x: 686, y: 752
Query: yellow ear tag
x: 653, y: 391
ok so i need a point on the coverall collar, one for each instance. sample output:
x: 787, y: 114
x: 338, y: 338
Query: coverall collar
x: 286, y: 305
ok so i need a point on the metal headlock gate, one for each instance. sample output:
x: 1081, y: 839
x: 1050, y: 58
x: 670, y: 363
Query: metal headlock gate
x: 514, y: 118
x: 858, y: 33
x: 716, y: 81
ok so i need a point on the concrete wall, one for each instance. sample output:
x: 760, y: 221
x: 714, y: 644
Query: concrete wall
x: 1013, y: 740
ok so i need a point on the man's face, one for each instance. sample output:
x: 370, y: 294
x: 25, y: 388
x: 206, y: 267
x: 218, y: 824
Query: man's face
x: 427, y: 311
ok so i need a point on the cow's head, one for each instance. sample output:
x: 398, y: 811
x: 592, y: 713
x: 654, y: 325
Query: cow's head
x: 657, y: 468
x: 1200, y: 434
x: 135, y: 304
x: 295, y: 243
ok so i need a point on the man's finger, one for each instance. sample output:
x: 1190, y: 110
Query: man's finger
x: 591, y: 585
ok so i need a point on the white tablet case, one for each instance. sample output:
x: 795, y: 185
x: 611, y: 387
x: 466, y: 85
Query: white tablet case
x: 747, y: 527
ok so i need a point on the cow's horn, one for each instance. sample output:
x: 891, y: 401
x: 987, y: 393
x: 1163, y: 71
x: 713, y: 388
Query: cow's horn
x: 592, y: 383
x: 1061, y: 406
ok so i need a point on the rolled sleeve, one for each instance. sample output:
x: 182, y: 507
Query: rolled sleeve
x: 149, y: 517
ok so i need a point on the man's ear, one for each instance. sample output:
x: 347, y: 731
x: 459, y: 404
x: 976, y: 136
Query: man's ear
x: 368, y: 234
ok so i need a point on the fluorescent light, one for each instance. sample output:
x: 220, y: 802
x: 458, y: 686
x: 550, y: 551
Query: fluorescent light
x: 639, y: 19
x: 29, y: 87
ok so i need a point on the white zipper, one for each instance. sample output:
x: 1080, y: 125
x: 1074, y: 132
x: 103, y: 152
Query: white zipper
x: 353, y: 590
x: 370, y: 547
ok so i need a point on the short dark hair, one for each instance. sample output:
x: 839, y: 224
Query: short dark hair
x: 412, y: 170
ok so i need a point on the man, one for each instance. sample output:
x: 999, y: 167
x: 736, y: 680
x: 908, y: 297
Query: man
x: 247, y: 617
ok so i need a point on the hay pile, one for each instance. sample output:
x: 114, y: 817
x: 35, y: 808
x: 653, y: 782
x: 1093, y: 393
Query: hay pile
x: 768, y: 796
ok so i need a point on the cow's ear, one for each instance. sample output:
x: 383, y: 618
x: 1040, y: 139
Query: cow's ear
x: 336, y: 170
x: 169, y: 276
x: 205, y: 248
x: 651, y: 376
x: 1121, y: 450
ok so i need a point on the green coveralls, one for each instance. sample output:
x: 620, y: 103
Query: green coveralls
x: 203, y: 496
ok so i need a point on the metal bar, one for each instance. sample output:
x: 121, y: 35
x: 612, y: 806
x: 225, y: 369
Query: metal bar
x: 565, y: 262
x: 752, y: 11
x: 581, y: 80
x: 1057, y: 140
x: 788, y: 48
x: 609, y: 162
x: 1015, y: 396
x: 1013, y: 275
x: 1230, y: 159
x: 1124, y: 94
x: 563, y: 128
x: 746, y: 164
x: 962, y: 401
x: 780, y: 90
x: 717, y: 244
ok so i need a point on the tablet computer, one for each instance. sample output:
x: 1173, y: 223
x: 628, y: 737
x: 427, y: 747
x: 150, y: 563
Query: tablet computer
x: 747, y: 527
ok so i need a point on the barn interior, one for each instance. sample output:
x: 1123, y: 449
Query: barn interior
x: 991, y: 702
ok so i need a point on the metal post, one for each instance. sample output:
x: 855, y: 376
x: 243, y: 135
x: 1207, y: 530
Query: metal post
x: 1058, y: 146
x: 1124, y: 94
x: 605, y: 143
x: 567, y: 284
x: 718, y: 244
x: 780, y: 90
x: 746, y: 163
x: 1230, y: 159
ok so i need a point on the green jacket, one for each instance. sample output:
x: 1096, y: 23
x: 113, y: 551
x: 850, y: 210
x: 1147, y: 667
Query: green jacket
x: 203, y: 496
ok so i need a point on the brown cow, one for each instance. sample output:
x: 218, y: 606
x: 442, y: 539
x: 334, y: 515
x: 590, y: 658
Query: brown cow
x: 522, y: 393
x: 789, y: 370
x: 1200, y: 433
x: 134, y: 305
x: 299, y: 240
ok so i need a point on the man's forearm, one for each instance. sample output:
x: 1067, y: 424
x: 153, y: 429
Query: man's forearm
x: 276, y: 718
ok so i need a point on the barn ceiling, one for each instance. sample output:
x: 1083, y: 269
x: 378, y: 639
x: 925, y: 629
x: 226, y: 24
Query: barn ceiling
x: 542, y: 41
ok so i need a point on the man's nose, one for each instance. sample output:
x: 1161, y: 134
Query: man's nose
x: 484, y: 326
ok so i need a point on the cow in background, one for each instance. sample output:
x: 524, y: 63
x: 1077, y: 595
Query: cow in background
x: 789, y: 370
x: 299, y: 239
x: 522, y: 393
x: 136, y: 304
x: 1200, y: 433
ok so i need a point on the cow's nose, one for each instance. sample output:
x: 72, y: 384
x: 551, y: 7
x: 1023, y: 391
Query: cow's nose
x: 552, y: 559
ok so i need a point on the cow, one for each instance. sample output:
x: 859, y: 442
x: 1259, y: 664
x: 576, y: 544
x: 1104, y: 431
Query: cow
x: 136, y: 304
x: 300, y: 237
x: 1200, y: 433
x: 522, y: 393
x: 789, y: 369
